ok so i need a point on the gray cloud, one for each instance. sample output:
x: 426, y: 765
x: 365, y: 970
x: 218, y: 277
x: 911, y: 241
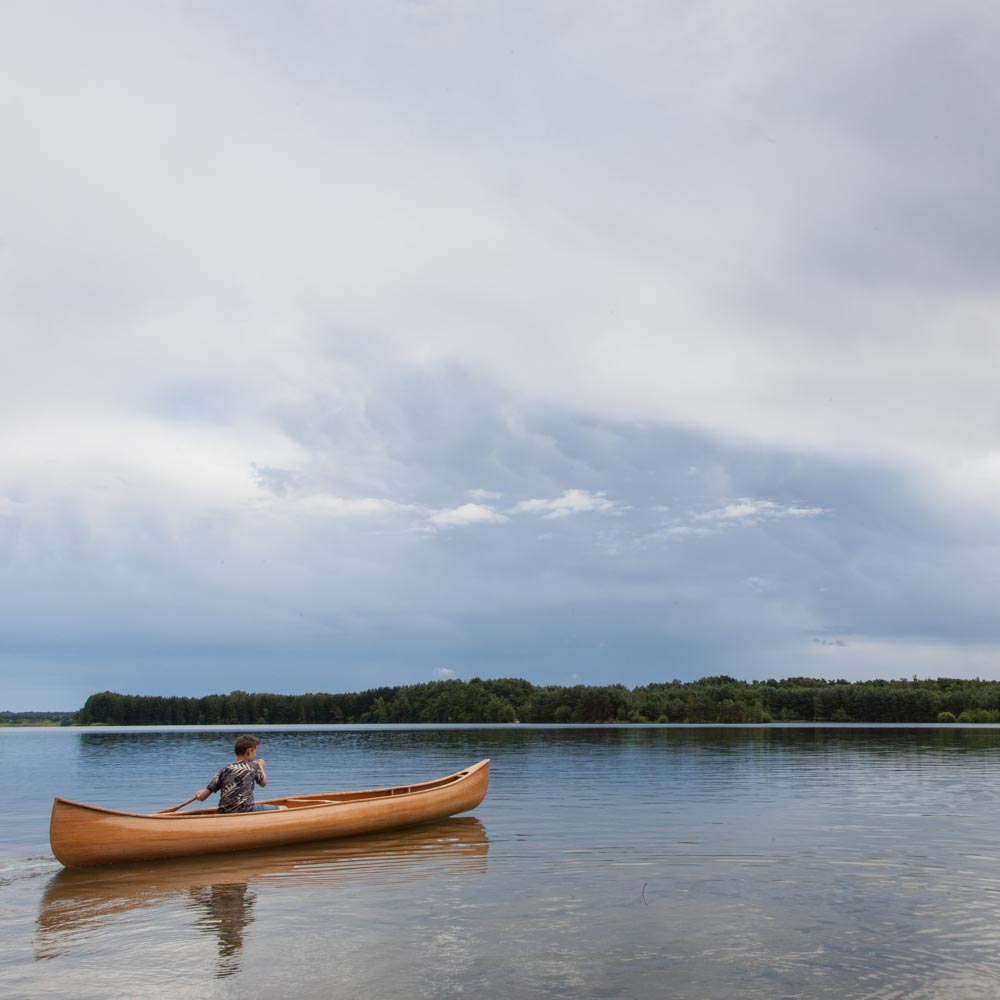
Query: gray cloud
x: 332, y: 336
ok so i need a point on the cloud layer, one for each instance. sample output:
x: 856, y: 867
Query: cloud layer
x: 343, y: 344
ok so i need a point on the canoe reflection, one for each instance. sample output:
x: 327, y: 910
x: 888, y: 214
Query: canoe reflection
x: 222, y: 889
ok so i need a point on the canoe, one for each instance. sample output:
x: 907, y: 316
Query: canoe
x: 84, y: 835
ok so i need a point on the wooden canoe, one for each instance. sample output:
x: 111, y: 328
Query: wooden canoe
x: 89, y: 835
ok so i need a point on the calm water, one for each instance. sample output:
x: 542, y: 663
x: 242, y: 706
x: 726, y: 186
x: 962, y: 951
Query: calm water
x: 612, y: 862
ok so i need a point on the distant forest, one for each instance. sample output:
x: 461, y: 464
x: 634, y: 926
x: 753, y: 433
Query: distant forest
x: 37, y: 718
x: 711, y: 699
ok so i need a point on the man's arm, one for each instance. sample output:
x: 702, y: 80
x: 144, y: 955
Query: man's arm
x: 262, y: 775
x: 213, y: 786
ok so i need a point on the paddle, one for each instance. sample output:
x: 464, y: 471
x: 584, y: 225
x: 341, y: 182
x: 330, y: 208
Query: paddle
x: 181, y: 806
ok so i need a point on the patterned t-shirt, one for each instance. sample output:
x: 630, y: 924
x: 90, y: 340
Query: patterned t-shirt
x: 236, y: 782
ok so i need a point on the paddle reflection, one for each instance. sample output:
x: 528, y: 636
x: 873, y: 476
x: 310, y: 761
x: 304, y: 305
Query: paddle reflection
x: 222, y: 890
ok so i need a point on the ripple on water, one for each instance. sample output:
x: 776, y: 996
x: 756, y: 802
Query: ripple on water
x: 611, y: 863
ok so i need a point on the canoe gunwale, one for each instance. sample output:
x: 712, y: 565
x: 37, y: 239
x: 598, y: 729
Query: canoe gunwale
x: 323, y: 799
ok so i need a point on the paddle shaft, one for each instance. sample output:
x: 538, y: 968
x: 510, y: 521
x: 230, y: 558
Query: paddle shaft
x: 181, y: 806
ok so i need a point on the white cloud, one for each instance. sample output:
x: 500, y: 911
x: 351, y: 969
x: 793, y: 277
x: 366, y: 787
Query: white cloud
x: 468, y: 513
x: 444, y: 674
x: 744, y: 512
x: 570, y: 502
x: 747, y: 510
x: 326, y: 505
x: 685, y: 531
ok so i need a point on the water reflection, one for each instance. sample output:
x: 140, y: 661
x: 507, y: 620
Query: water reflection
x: 78, y: 904
x: 225, y: 910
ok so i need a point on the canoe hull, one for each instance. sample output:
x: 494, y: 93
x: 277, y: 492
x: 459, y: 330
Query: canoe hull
x: 83, y: 835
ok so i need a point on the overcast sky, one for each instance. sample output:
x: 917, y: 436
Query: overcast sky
x: 357, y: 344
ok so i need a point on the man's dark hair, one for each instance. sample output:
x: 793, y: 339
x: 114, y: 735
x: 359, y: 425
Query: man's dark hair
x: 245, y: 743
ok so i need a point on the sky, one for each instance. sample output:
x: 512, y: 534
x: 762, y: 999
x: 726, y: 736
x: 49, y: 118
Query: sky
x: 345, y: 345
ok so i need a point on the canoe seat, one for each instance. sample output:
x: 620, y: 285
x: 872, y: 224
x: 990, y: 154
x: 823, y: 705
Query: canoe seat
x: 300, y: 803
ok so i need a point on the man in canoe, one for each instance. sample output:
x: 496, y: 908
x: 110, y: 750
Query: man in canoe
x: 236, y: 780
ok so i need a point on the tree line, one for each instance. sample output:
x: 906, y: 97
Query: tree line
x: 719, y: 699
x: 37, y: 718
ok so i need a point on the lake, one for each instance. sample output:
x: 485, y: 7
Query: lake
x: 625, y: 861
